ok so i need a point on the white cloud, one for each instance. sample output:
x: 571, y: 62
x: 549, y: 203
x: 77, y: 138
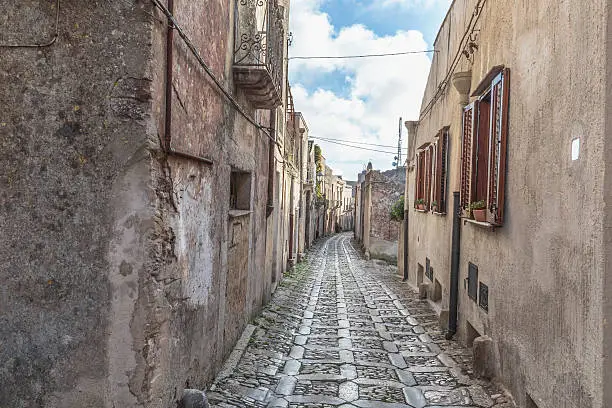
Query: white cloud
x: 411, y: 4
x: 378, y: 90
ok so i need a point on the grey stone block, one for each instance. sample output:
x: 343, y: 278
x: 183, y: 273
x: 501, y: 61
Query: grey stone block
x: 423, y: 290
x: 443, y: 319
x: 194, y: 399
x: 484, y: 362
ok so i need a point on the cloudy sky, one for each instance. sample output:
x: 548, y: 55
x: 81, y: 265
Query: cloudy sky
x: 361, y: 100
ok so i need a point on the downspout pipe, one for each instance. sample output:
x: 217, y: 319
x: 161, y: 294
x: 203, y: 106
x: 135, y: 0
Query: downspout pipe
x: 271, y: 165
x: 169, y: 72
x: 454, y: 276
x: 406, y: 225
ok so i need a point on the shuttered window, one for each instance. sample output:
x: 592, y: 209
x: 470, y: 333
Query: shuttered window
x: 440, y: 171
x: 483, y: 150
x: 429, y: 156
x: 418, y: 185
x: 423, y: 184
x: 467, y: 150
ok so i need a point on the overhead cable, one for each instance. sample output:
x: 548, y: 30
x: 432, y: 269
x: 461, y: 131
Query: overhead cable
x: 470, y: 29
x: 388, y: 54
x: 208, y: 71
x: 353, y: 142
x: 357, y: 147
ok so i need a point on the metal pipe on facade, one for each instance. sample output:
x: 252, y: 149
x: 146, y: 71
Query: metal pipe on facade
x: 271, y: 165
x: 454, y: 278
x: 406, y: 213
x: 169, y: 71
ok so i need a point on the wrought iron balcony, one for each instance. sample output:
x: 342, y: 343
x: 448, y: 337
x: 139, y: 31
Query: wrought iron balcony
x: 259, y: 51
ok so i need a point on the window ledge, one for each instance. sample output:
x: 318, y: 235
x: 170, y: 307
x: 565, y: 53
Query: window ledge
x: 478, y: 223
x: 239, y: 213
x: 421, y: 211
x: 439, y: 214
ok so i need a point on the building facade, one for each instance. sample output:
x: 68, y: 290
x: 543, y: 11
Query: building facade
x: 144, y: 197
x: 503, y: 139
x: 347, y: 209
x: 378, y: 233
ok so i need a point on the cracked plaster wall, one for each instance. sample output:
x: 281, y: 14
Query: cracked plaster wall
x: 115, y: 256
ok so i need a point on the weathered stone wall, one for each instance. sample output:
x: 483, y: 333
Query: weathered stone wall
x: 380, y: 231
x: 545, y: 266
x: 218, y: 279
x: 74, y: 210
x: 126, y: 279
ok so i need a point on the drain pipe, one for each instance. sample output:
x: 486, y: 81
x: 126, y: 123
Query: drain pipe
x: 169, y: 71
x: 454, y: 278
x: 271, y: 164
x: 406, y: 212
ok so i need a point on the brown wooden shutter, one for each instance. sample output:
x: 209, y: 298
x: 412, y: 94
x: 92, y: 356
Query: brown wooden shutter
x: 428, y: 162
x: 436, y: 174
x: 497, y: 147
x: 441, y: 172
x: 467, y: 155
x: 417, y: 179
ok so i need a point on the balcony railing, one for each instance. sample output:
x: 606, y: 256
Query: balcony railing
x: 259, y: 50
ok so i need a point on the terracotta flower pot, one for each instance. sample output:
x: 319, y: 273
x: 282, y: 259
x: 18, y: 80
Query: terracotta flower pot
x: 421, y: 206
x: 480, y: 215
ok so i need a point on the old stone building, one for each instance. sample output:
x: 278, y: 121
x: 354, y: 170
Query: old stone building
x: 377, y: 232
x: 513, y: 128
x: 142, y: 155
x: 347, y: 207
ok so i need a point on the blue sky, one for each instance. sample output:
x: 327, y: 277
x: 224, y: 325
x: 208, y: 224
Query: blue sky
x: 361, y: 100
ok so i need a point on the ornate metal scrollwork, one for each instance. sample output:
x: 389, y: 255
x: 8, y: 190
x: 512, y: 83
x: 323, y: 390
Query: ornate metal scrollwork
x: 260, y: 37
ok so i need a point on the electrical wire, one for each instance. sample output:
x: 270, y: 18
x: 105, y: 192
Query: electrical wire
x: 360, y: 148
x: 388, y: 54
x: 208, y: 71
x: 474, y: 19
x: 328, y: 139
x: 47, y: 44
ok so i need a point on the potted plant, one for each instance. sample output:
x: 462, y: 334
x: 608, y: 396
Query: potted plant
x: 434, y: 206
x: 479, y: 210
x: 420, y: 204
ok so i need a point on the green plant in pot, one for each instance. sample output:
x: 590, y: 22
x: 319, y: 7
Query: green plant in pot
x: 420, y: 204
x: 434, y: 206
x: 479, y: 210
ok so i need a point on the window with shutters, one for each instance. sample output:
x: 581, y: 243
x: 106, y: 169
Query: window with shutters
x: 440, y: 172
x: 424, y: 181
x: 483, y: 150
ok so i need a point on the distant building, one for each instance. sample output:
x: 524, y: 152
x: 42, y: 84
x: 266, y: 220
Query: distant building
x: 376, y: 230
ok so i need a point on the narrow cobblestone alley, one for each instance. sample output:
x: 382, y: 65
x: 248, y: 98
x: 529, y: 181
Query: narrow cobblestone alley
x: 342, y: 331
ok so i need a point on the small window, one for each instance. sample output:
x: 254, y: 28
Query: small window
x: 483, y: 296
x: 473, y: 281
x: 240, y: 191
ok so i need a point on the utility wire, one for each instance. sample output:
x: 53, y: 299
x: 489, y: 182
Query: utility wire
x: 204, y: 66
x: 48, y: 43
x: 470, y: 29
x: 360, y: 148
x: 388, y: 54
x: 327, y: 139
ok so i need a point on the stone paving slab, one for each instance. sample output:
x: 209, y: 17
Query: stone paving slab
x: 343, y: 332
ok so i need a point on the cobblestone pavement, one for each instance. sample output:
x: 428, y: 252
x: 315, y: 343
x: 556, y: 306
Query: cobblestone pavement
x: 345, y: 332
